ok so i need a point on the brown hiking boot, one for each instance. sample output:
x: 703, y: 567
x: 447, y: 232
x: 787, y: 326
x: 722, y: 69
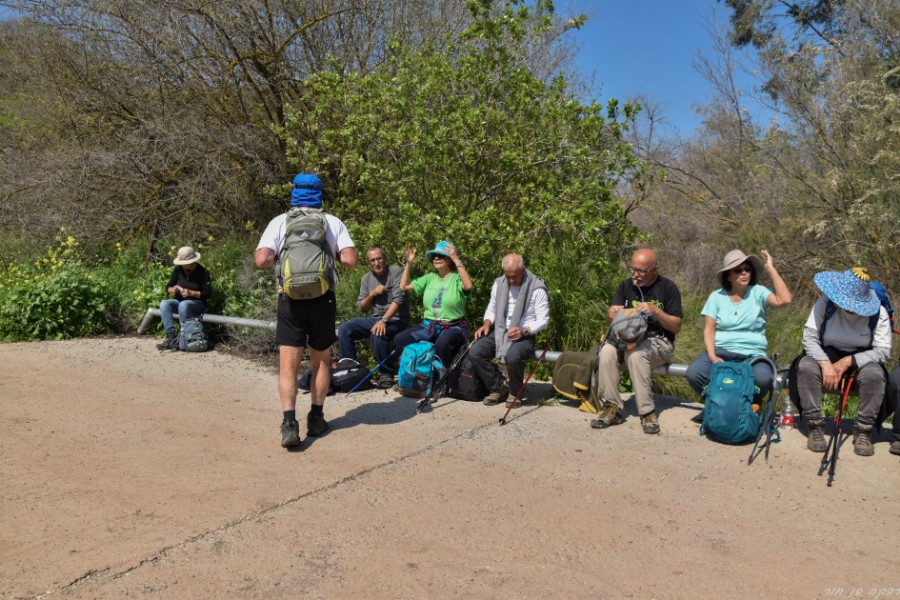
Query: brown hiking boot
x: 895, y: 446
x: 649, y: 423
x: 815, y: 441
x: 610, y: 414
x: 862, y: 440
x: 497, y: 396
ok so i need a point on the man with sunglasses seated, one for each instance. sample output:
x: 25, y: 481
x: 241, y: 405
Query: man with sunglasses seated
x: 379, y: 293
x: 659, y: 298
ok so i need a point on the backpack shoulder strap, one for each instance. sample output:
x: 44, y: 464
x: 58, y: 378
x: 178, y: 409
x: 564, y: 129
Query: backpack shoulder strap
x: 830, y: 309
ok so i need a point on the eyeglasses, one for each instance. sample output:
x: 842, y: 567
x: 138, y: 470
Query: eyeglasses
x: 376, y: 259
x: 742, y: 269
x: 634, y: 269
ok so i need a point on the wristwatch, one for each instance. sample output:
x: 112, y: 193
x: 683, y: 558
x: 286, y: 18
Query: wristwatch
x: 384, y: 320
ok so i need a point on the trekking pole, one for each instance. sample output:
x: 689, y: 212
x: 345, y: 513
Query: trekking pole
x: 766, y: 424
x: 442, y: 381
x: 835, y: 441
x: 524, y: 383
x: 369, y: 375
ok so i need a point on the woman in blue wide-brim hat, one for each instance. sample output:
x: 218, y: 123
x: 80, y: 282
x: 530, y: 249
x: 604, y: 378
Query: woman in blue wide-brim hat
x: 847, y: 332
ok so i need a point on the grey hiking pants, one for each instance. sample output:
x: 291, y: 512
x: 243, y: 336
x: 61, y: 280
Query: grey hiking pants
x: 871, y: 381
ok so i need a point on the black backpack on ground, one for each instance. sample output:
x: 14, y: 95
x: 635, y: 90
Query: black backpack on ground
x: 463, y: 383
x: 345, y: 374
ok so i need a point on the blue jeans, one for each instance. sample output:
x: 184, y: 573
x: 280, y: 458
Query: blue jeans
x: 698, y: 372
x: 187, y: 309
x: 446, y: 345
x: 360, y: 328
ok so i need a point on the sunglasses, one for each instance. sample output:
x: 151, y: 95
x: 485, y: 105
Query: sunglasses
x: 742, y: 269
x: 438, y: 257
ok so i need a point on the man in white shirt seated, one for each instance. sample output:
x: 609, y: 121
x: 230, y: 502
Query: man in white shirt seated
x: 519, y: 308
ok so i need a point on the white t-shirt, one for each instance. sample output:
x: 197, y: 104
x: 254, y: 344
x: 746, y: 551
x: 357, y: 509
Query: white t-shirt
x: 337, y: 236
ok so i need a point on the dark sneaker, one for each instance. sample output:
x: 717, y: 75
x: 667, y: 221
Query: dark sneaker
x: 649, y: 423
x: 698, y: 418
x: 862, y: 440
x: 815, y: 440
x: 610, y: 414
x: 316, y: 425
x: 385, y: 382
x: 895, y: 447
x: 170, y: 343
x: 497, y: 396
x: 290, y: 434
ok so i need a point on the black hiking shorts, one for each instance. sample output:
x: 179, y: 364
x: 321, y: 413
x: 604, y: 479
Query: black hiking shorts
x: 303, y: 323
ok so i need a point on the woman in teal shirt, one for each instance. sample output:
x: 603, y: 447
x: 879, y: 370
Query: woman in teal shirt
x: 444, y: 294
x: 735, y: 318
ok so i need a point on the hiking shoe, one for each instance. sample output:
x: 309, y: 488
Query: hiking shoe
x: 895, y: 447
x: 290, y: 434
x: 649, y: 423
x: 497, y: 396
x: 513, y: 403
x: 815, y: 441
x: 862, y: 440
x: 608, y: 415
x: 698, y: 418
x: 170, y: 343
x: 316, y: 424
x: 385, y: 382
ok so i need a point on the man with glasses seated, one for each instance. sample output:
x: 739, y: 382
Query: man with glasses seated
x: 659, y: 298
x: 379, y: 293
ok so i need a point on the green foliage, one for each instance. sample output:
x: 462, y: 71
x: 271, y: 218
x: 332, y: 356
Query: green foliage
x: 464, y: 143
x: 55, y: 297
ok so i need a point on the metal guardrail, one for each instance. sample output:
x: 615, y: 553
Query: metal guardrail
x: 673, y: 370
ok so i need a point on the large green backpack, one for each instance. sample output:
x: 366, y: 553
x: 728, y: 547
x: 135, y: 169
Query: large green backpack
x: 306, y: 260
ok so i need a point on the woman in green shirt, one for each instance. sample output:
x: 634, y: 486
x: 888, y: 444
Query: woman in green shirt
x: 444, y: 294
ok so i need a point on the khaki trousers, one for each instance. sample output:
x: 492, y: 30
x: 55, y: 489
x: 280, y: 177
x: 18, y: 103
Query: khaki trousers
x: 650, y: 353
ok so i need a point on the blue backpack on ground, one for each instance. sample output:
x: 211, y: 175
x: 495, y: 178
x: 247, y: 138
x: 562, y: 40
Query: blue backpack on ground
x: 415, y: 373
x: 728, y: 415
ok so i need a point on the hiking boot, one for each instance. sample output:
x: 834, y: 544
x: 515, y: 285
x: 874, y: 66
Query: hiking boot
x: 385, y: 382
x: 513, y: 403
x: 316, y: 424
x: 497, y: 396
x: 895, y: 446
x: 815, y: 441
x: 608, y: 415
x: 290, y: 434
x: 170, y: 343
x: 649, y: 423
x: 862, y: 440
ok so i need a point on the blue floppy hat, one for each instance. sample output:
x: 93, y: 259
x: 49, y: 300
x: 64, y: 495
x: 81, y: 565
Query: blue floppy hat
x: 440, y: 248
x: 307, y: 191
x: 849, y: 290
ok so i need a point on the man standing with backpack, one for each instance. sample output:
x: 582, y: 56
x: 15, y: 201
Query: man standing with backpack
x: 304, y: 243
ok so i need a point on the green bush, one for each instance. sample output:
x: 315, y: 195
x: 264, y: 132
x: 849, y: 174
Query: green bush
x: 55, y: 297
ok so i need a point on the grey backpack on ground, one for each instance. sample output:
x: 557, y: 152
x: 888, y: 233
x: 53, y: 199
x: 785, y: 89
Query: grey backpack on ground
x: 192, y: 338
x: 306, y: 263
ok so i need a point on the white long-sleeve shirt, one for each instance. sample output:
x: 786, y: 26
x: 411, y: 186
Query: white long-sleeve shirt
x: 537, y: 312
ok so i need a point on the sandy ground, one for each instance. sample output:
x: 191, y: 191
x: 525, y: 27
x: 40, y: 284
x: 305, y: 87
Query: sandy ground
x: 129, y: 473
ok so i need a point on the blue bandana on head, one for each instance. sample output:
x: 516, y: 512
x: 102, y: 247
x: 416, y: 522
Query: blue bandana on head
x: 307, y: 191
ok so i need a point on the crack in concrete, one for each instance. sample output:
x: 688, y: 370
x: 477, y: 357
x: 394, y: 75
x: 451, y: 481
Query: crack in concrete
x: 97, y: 574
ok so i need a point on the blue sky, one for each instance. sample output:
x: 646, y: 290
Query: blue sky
x: 648, y: 46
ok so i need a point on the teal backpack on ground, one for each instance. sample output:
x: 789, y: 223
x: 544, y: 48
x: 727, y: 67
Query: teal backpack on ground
x: 306, y: 262
x: 728, y: 414
x: 192, y: 338
x: 416, y: 370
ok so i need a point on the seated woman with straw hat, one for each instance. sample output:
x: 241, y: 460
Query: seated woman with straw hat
x: 735, y: 319
x: 191, y: 286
